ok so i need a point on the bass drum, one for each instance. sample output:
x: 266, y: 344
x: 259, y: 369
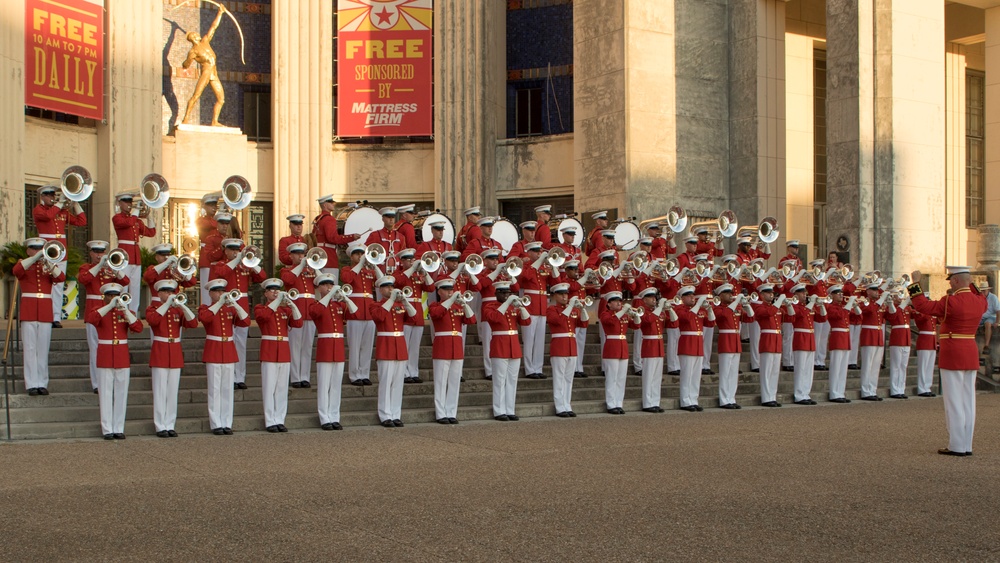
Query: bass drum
x: 422, y: 226
x: 565, y: 224
x: 362, y: 220
x: 627, y: 235
x: 505, y: 233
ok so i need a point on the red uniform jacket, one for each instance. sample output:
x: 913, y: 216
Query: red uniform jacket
x: 727, y: 322
x: 652, y: 334
x: 362, y: 291
x: 151, y: 277
x: 167, y: 354
x: 390, y: 344
x: 325, y: 231
x: 517, y: 249
x: 535, y: 284
x: 595, y: 240
x: 112, y: 337
x: 594, y: 258
x: 572, y: 252
x: 274, y: 332
x: 303, y: 283
x: 486, y: 290
x: 543, y: 235
x: 408, y: 234
x: 93, y: 285
x: 798, y: 262
x: 448, y: 343
x: 872, y: 325
x: 284, y: 256
x: 849, y: 290
x: 240, y: 279
x: 960, y: 314
x: 504, y: 343
x: 416, y: 282
x: 477, y: 246
x: 207, y: 228
x: 691, y: 342
x: 439, y: 246
x: 393, y: 244
x: 686, y: 260
x: 805, y: 331
x: 899, y: 327
x: 51, y: 221
x: 219, y: 345
x: 926, y: 331
x: 129, y: 228
x: 661, y: 248
x: 563, y: 331
x: 613, y: 284
x: 36, y: 290
x: 329, y: 330
x: 212, y: 251
x: 462, y: 282
x: 468, y: 233
x: 755, y: 253
x: 840, y: 332
x: 768, y: 318
x: 615, y: 346
x: 708, y: 248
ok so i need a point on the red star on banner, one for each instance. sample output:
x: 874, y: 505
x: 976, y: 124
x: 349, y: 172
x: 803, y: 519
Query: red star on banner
x: 383, y: 16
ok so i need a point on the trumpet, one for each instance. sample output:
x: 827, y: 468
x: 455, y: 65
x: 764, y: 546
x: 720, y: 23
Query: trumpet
x: 54, y: 252
x: 124, y: 300
x: 754, y: 298
x: 465, y: 297
x: 117, y: 260
x: 184, y: 268
x: 76, y: 184
x: 636, y: 313
x: 407, y: 292
x: 430, y: 261
x: 342, y: 291
x: 474, y: 264
x: 180, y: 299
x: 521, y: 302
x: 251, y: 257
x: 292, y: 294
x: 234, y: 295
x: 585, y: 302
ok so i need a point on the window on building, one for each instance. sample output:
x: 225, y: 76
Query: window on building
x: 257, y: 114
x: 58, y: 117
x: 529, y: 112
x: 76, y: 236
x: 975, y: 148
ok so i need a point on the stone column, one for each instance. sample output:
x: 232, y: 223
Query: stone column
x: 800, y: 154
x: 992, y: 115
x: 302, y: 104
x: 956, y: 234
x: 469, y: 103
x: 129, y: 140
x: 12, y: 121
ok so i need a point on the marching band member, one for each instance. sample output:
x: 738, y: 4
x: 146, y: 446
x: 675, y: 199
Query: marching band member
x: 328, y: 312
x: 640, y: 281
x: 690, y: 347
x: 51, y: 217
x: 220, y: 356
x: 405, y: 225
x: 327, y: 237
x: 767, y: 314
x: 129, y: 228
x: 706, y: 246
x: 793, y: 254
x: 448, y: 316
x: 113, y: 321
x: 818, y: 288
x: 302, y: 279
x: 926, y: 352
x: 960, y: 312
x: 569, y: 235
x: 527, y: 236
x: 744, y: 254
x: 668, y: 288
x: 388, y: 238
x: 851, y: 290
x: 412, y: 275
x: 656, y: 312
x: 390, y: 349
x: 595, y: 238
x: 609, y: 285
x: 437, y: 242
x: 661, y: 246
x: 207, y: 227
x: 166, y: 318
x: 478, y: 245
x: 899, y: 347
x: 238, y: 277
x: 564, y: 317
x: 295, y: 228
x: 469, y: 231
x: 838, y: 314
x: 872, y: 342
x: 728, y: 317
x: 361, y: 276
x: 543, y: 214
x: 163, y: 270
x: 571, y: 276
x: 485, y: 294
x: 36, y: 276
x: 687, y: 258
x: 804, y: 341
x: 504, y: 316
x: 274, y: 320
x: 535, y: 280
x: 705, y: 288
x: 606, y: 247
x: 614, y: 352
x: 212, y: 250
x: 92, y: 277
x: 787, y: 323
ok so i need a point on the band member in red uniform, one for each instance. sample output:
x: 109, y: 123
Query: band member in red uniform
x: 706, y: 245
x: 92, y: 276
x: 767, y: 314
x: 851, y: 290
x: 361, y: 276
x: 744, y: 254
x: 571, y: 276
x: 804, y: 341
x: 564, y: 317
x: 926, y: 352
x: 616, y: 320
x: 793, y: 254
x: 543, y: 214
x: 295, y: 228
x: 129, y: 228
x: 51, y: 217
x: 594, y: 239
x: 113, y: 321
x: 606, y: 248
x: 390, y: 349
x: 469, y: 231
x: 165, y: 269
x: 36, y: 276
x: 686, y: 259
x: 212, y: 250
x: 691, y: 347
x: 328, y: 312
x: 662, y: 246
x: 899, y: 347
x: 327, y: 236
x: 655, y: 315
x: 569, y: 236
x: 207, y: 227
x: 405, y: 225
x: 728, y: 317
x: 478, y: 245
x: 437, y: 242
x: 300, y: 338
x: 387, y: 236
x: 220, y: 356
x: 527, y: 236
x: 484, y: 293
x: 838, y: 314
x: 872, y: 341
x: 534, y: 281
x: 411, y: 274
x: 960, y: 312
x: 238, y: 277
x: 818, y: 287
x: 274, y: 320
x: 166, y: 320
x: 448, y: 315
x: 504, y: 316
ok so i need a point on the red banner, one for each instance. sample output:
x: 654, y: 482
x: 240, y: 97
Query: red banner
x: 64, y: 56
x: 384, y: 72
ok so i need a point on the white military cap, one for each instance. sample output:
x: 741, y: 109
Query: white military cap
x: 798, y: 287
x: 649, y: 291
x: 473, y: 211
x: 686, y: 289
x: 406, y: 208
x: 223, y: 217
x: 486, y: 222
x: 46, y: 190
x: 701, y: 231
x: 323, y: 278
x: 272, y: 283
x: 724, y: 288
x: 34, y: 242
x: 765, y: 287
x: 356, y: 246
x: 653, y: 226
x: 387, y: 211
x: 701, y: 257
x: 232, y: 243
x: 599, y: 215
x: 125, y: 196
x: 490, y: 253
x: 612, y: 295
x: 451, y: 255
x: 111, y: 289
x: 385, y: 280
x: 98, y: 245
x: 165, y: 248
x: 608, y: 233
x: 835, y: 289
x: 691, y: 240
x: 955, y: 270
x: 793, y: 242
x: 216, y: 284
x: 446, y: 283
x: 209, y: 198
x: 325, y: 198
x: 530, y: 225
x: 165, y: 285
x: 438, y: 223
x: 406, y: 253
x: 607, y: 254
x: 560, y: 288
x: 297, y: 218
x: 743, y: 240
x: 571, y: 264
x: 544, y: 209
x: 569, y: 230
x: 298, y: 247
x: 533, y: 245
x: 501, y: 286
x: 729, y: 258
x: 646, y: 240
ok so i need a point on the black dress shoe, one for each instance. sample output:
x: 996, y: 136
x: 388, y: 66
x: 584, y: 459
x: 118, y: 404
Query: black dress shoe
x: 840, y: 400
x: 95, y: 390
x: 452, y: 420
x: 241, y: 385
x: 358, y: 382
x: 730, y: 406
x: 487, y: 378
x: 366, y: 381
x: 706, y: 371
x: 804, y: 402
x: 745, y: 340
x: 57, y: 324
x: 579, y: 374
x: 461, y: 378
x: 638, y: 372
x: 397, y: 423
x: 534, y: 376
x: 572, y: 414
x: 33, y: 391
x: 787, y: 368
x: 674, y: 372
x: 871, y: 398
x: 690, y: 408
x: 293, y: 385
x: 771, y: 404
x: 109, y: 436
x: 337, y: 426
x: 513, y: 417
x: 650, y: 409
x: 946, y: 451
x: 162, y: 434
x: 820, y: 368
x: 227, y: 431
x: 387, y: 423
x: 854, y: 366
x: 699, y: 408
x: 501, y: 418
x: 755, y: 370
x: 281, y: 428
x: 927, y: 394
x: 306, y: 384
x: 898, y: 396
x: 417, y: 380
x: 563, y: 414
x: 172, y: 433
x: 218, y: 431
x: 442, y: 421
x: 273, y: 429
x: 119, y: 436
x: 407, y: 380
x: 43, y: 391
x: 327, y: 426
x: 738, y: 407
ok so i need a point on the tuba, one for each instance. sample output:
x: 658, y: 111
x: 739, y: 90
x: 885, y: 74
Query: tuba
x: 117, y: 260
x: 154, y: 192
x: 76, y: 183
x: 236, y: 192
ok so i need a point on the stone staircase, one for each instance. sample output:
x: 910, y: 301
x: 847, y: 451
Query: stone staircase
x: 71, y: 410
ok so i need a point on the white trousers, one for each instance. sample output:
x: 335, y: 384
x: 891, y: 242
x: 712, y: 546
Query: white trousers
x: 134, y: 273
x: 925, y: 370
x: 58, y: 289
x: 329, y: 383
x: 754, y: 345
x: 652, y: 381
x: 615, y: 372
x: 240, y: 367
x: 804, y: 364
x: 413, y: 335
x: 787, y: 333
x: 637, y: 350
x: 166, y: 382
x: 504, y: 385
x: 770, y: 364
x: 729, y: 375
x: 838, y: 373
x: 709, y: 332
x: 203, y: 280
x: 855, y: 333
x: 274, y: 389
x: 959, y: 389
x: 485, y: 332
x: 899, y: 360
x: 220, y: 394
x: 37, y: 337
x: 92, y: 344
x: 534, y: 346
x: 581, y: 343
x: 745, y: 330
x: 822, y: 334
x: 360, y: 345
x: 673, y: 337
x: 447, y: 379
x: 562, y: 382
x: 300, y: 342
x: 871, y: 363
x: 113, y: 399
x: 690, y: 380
x: 390, y: 389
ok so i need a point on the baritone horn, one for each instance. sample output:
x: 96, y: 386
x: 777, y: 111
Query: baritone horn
x: 117, y: 260
x: 154, y: 191
x: 316, y: 258
x: 474, y: 264
x: 54, y: 252
x: 236, y: 192
x: 556, y: 257
x: 184, y: 268
x: 514, y: 266
x: 76, y: 183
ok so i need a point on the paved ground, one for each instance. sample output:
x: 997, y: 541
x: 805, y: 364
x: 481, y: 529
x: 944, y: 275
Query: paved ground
x: 834, y: 482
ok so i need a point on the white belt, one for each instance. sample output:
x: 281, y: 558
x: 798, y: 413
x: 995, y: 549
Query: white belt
x: 413, y: 300
x: 98, y: 297
x: 52, y: 236
x: 307, y: 295
x: 535, y: 291
x: 113, y: 342
x: 728, y: 331
x: 327, y: 244
x: 564, y: 335
x: 218, y: 338
x: 872, y: 327
x: 388, y: 334
x: 769, y: 331
x: 806, y: 330
x: 504, y: 333
x: 690, y: 333
x: 488, y: 299
x: 452, y: 333
x: 931, y: 332
x: 360, y: 295
x: 842, y: 330
x: 274, y: 338
x: 330, y: 335
x: 894, y: 327
x: 617, y: 337
x: 126, y: 242
x: 165, y: 339
x: 654, y: 337
x: 39, y: 295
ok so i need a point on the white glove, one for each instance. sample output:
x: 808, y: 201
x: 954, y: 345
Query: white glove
x: 296, y: 314
x: 107, y: 308
x: 447, y: 303
x: 129, y: 316
x: 524, y: 312
x: 391, y: 300
x: 410, y: 309
x: 77, y: 210
x: 188, y: 313
x: 30, y: 260
x: 135, y: 210
x: 240, y: 312
x: 217, y: 305
x: 165, y: 306
x: 468, y: 311
x: 273, y: 305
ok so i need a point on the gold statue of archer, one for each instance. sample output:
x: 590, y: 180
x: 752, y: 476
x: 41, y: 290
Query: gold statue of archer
x: 202, y: 53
